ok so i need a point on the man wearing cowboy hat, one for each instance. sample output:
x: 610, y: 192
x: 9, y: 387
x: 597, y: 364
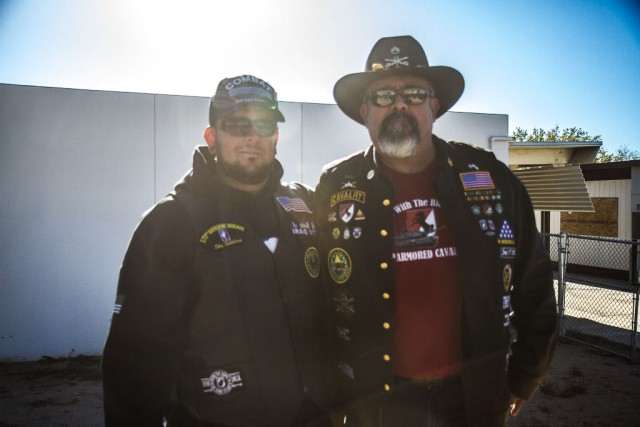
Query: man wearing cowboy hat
x: 433, y: 258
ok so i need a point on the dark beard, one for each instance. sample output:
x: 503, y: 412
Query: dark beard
x: 238, y: 173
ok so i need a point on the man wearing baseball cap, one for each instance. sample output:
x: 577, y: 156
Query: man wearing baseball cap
x: 433, y: 258
x: 220, y: 316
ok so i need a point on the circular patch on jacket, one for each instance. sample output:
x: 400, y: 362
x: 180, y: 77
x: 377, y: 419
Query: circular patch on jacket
x: 312, y: 262
x: 339, y: 265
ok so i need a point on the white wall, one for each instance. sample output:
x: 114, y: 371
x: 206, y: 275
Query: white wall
x: 78, y: 168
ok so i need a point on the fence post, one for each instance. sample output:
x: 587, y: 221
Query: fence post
x: 634, y: 325
x: 563, y: 243
x: 635, y: 262
x: 636, y: 298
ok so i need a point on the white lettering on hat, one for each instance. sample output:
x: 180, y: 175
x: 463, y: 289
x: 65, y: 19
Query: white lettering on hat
x: 244, y: 79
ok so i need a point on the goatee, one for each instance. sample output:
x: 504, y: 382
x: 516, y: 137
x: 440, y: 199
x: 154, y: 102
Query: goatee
x: 399, y: 135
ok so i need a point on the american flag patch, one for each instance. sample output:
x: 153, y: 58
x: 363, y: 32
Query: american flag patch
x: 477, y: 181
x: 295, y: 205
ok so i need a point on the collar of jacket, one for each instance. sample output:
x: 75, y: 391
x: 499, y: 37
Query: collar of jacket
x: 202, y: 178
x: 444, y: 155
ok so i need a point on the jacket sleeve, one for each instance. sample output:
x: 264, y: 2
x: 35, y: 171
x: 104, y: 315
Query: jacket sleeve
x: 533, y: 303
x: 142, y: 352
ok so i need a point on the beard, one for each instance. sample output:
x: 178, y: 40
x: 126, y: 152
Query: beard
x: 399, y: 135
x: 242, y: 174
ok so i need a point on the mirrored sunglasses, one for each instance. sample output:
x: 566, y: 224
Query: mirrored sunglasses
x: 242, y: 127
x: 410, y: 96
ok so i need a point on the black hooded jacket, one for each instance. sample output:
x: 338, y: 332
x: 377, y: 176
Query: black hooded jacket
x: 208, y: 319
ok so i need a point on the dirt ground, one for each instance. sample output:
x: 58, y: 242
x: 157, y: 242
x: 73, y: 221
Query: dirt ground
x: 586, y: 387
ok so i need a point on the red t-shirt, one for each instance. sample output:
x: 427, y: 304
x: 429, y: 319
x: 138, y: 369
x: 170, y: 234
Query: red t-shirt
x: 426, y: 340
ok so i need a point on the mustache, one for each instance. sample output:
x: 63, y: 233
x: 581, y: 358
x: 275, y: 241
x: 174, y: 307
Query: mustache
x: 399, y: 115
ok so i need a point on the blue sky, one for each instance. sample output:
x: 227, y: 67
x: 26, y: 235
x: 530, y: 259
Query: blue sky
x: 544, y: 63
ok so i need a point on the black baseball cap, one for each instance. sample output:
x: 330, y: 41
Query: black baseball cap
x: 235, y: 92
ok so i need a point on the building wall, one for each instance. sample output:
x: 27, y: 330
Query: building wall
x: 77, y: 170
x: 609, y: 256
x: 609, y: 188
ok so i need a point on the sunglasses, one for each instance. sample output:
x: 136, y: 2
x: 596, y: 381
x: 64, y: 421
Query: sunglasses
x: 242, y: 127
x: 410, y: 96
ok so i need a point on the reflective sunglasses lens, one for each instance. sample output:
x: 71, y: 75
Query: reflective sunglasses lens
x: 414, y: 96
x: 265, y: 127
x: 382, y: 98
x: 411, y: 96
x: 242, y: 127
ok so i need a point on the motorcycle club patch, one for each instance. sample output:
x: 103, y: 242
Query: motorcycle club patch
x: 221, y: 382
x: 312, y: 262
x: 339, y: 265
x: 220, y: 236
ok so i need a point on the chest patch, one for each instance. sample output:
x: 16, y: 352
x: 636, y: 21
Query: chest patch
x: 339, y: 265
x: 480, y: 180
x: 293, y: 205
x: 220, y: 236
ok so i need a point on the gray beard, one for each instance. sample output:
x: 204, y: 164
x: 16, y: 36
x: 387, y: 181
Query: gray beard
x: 397, y: 138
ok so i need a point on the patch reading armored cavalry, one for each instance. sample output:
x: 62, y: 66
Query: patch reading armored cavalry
x: 339, y: 265
x: 221, y: 382
x: 312, y: 262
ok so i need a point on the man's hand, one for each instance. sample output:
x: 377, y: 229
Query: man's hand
x: 515, y: 404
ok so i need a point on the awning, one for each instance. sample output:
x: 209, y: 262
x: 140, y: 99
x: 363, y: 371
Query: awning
x: 556, y: 188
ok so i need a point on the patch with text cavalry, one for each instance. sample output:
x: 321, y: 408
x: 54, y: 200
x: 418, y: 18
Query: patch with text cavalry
x: 223, y: 235
x: 221, y: 382
x: 348, y: 195
x: 339, y: 265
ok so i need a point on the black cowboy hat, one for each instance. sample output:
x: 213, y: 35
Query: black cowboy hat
x: 393, y: 56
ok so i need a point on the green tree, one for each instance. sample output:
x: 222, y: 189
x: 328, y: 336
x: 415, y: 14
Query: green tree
x: 572, y: 134
x: 575, y: 134
x: 621, y: 154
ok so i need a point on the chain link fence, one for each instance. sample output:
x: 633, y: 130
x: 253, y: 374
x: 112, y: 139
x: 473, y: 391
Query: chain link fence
x: 597, y: 285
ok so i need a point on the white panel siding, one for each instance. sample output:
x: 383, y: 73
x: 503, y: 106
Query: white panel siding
x: 77, y: 170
